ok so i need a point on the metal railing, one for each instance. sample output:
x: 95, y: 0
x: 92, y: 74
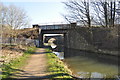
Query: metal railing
x: 19, y: 41
x: 61, y: 26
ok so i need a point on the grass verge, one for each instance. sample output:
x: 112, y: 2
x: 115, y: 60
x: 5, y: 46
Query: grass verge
x: 14, y: 65
x: 57, y: 68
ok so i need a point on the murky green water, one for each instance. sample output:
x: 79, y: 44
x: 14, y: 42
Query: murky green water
x: 91, y: 66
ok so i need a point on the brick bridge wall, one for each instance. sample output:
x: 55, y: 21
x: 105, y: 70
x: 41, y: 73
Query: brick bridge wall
x: 94, y: 39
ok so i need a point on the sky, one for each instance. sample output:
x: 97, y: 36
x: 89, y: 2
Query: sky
x: 41, y: 11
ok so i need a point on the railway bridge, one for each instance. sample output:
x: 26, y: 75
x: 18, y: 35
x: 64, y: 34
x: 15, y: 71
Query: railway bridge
x: 54, y: 29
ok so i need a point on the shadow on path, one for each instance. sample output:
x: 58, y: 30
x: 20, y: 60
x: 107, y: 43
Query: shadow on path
x: 46, y: 77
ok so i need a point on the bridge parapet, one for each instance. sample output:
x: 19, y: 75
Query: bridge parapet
x: 55, y: 26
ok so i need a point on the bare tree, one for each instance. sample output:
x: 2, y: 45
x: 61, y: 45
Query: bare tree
x: 105, y: 12
x: 78, y: 12
x: 112, y: 11
x: 12, y: 18
x: 4, y: 29
x: 118, y: 13
x: 16, y: 17
x: 3, y: 14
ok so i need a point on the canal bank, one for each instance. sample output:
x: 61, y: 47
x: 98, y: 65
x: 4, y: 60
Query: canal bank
x: 85, y: 64
x: 10, y: 68
x: 57, y: 68
x: 89, y: 64
x: 42, y: 64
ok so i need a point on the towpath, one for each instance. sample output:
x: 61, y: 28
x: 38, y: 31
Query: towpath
x: 36, y: 66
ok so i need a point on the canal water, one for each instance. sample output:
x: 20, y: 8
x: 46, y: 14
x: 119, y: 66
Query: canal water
x: 90, y: 65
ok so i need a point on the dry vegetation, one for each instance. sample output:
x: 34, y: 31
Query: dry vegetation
x: 9, y: 53
x: 31, y: 33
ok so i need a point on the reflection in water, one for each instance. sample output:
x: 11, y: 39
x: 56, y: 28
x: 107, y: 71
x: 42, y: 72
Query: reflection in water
x: 90, y: 65
x: 59, y: 54
x: 86, y: 67
x: 53, y: 46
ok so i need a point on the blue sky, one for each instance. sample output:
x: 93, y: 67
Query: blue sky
x: 41, y: 12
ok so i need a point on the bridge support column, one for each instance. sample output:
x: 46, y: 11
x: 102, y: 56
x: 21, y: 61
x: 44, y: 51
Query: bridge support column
x: 65, y: 44
x: 41, y: 40
x: 65, y: 40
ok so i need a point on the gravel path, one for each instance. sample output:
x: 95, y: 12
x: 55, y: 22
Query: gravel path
x: 35, y: 67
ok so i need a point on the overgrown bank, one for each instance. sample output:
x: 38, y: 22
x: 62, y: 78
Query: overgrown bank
x: 13, y: 66
x: 57, y: 68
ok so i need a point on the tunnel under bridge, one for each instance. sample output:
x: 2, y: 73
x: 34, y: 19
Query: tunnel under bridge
x: 54, y: 29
